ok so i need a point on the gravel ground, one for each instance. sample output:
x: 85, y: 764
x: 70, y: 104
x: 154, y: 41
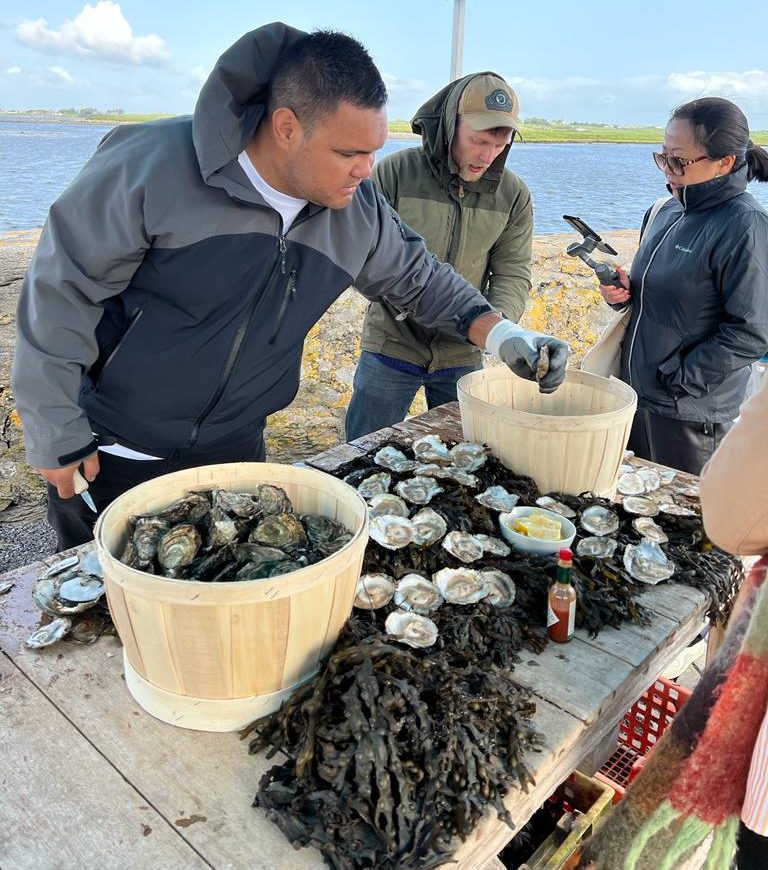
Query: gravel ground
x: 22, y: 543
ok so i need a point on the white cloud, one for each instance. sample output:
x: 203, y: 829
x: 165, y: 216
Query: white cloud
x: 400, y: 86
x: 61, y: 74
x: 13, y: 70
x: 541, y: 88
x: 100, y: 32
x: 751, y: 84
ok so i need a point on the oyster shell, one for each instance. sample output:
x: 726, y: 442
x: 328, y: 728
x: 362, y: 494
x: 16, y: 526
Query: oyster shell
x: 499, y: 587
x: 493, y: 546
x: 190, y: 509
x: 79, y: 589
x: 260, y: 559
x: 691, y: 490
x: 238, y: 504
x: 416, y: 593
x: 273, y: 500
x: 178, y: 546
x: 640, y: 505
x: 667, y: 476
x: 552, y: 504
x: 630, y: 483
x: 387, y: 503
x: 447, y: 472
x: 649, y: 528
x: 468, y: 455
x: 48, y: 634
x: 676, y: 510
x: 463, y: 546
x: 428, y: 527
x: 6, y: 586
x: 596, y: 547
x: 393, y: 460
x: 374, y: 591
x: 497, y: 498
x: 146, y: 534
x: 391, y: 531
x: 650, y: 477
x: 418, y: 490
x: 461, y: 585
x: 375, y: 484
x: 599, y: 520
x: 321, y: 529
x: 430, y: 448
x: 647, y: 562
x: 88, y: 628
x: 411, y: 628
x: 280, y: 530
x: 47, y: 596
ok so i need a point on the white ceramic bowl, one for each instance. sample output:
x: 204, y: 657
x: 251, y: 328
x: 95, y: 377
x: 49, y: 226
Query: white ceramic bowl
x: 535, y: 545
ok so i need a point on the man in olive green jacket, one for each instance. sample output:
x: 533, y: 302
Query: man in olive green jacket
x: 472, y: 213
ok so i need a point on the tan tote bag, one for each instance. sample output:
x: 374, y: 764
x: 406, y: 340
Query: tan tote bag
x: 604, y: 357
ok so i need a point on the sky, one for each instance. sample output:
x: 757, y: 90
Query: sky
x: 606, y: 62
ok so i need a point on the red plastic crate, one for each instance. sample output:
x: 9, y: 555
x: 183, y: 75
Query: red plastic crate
x: 639, y: 731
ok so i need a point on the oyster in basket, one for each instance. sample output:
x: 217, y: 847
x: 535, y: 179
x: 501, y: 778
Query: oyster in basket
x: 647, y: 562
x: 418, y: 490
x: 178, y: 547
x: 411, y: 628
x: 463, y: 546
x: 461, y: 585
x: 321, y: 529
x: 272, y: 500
x: 428, y: 527
x: 497, y: 499
x: 374, y: 591
x: 416, y: 593
x: 599, y: 520
x: 280, y: 530
x: 190, y: 509
x: 391, y: 531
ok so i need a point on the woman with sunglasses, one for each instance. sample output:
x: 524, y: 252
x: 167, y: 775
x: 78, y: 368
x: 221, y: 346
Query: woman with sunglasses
x: 699, y: 288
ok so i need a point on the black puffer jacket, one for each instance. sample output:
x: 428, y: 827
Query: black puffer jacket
x: 700, y: 302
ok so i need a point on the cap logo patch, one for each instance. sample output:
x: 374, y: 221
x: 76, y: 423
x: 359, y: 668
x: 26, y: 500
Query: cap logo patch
x: 498, y: 101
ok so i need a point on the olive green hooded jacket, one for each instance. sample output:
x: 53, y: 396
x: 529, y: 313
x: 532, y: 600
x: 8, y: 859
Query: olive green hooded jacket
x: 482, y: 228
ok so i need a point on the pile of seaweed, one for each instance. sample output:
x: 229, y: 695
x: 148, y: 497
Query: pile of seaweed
x: 392, y: 752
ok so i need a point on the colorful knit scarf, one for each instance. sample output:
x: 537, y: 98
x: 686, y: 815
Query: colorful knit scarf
x: 694, y: 782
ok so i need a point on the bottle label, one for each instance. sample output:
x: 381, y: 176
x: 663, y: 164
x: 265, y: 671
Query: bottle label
x: 571, y: 618
x: 551, y: 616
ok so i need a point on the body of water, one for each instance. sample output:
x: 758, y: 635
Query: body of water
x: 609, y: 186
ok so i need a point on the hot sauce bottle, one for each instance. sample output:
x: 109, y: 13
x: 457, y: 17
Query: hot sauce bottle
x: 561, y: 603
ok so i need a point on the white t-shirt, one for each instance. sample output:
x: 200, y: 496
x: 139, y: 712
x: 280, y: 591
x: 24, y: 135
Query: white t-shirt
x: 288, y: 207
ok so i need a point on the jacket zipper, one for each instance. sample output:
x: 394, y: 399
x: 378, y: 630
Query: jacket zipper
x: 134, y: 319
x: 290, y: 293
x: 642, y: 287
x: 234, y: 351
x: 453, y: 241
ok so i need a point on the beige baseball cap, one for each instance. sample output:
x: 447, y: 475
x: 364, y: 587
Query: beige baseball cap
x: 488, y: 102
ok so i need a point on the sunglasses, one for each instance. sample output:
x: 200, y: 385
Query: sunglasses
x: 676, y: 165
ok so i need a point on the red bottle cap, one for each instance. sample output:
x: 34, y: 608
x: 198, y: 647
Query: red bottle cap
x: 566, y: 555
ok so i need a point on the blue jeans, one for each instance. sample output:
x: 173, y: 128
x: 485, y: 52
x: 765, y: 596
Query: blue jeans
x: 382, y: 395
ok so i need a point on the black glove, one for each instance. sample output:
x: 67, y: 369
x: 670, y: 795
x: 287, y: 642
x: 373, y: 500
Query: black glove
x: 521, y: 350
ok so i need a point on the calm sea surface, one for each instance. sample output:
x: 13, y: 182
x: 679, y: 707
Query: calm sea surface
x: 609, y: 186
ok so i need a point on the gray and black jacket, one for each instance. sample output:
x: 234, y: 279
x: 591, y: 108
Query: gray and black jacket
x: 699, y: 288
x: 166, y: 308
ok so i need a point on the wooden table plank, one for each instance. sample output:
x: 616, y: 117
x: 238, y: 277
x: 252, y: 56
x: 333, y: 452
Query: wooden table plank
x: 62, y: 805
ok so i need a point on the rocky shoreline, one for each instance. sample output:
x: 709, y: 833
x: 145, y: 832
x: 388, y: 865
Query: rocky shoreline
x: 564, y: 301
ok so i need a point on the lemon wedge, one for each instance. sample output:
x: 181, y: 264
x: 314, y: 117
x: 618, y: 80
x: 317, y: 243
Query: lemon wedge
x: 537, y: 525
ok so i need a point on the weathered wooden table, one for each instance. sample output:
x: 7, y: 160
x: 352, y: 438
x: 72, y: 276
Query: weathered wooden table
x: 88, y: 779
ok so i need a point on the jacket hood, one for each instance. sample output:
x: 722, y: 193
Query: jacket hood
x: 435, y: 122
x: 708, y: 194
x: 232, y: 101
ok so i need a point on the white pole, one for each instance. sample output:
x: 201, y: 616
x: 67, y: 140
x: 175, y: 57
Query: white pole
x: 457, y: 43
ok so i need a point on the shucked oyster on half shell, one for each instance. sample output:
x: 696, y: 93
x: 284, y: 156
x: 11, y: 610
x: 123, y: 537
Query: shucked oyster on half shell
x: 391, y: 531
x: 375, y: 484
x: 387, y: 503
x: 500, y: 587
x: 676, y: 510
x: 493, y: 546
x: 647, y: 562
x: 430, y: 448
x: 597, y: 547
x: 497, y: 499
x: 559, y: 507
x: 461, y: 585
x: 630, y: 483
x: 428, y: 527
x: 599, y: 520
x: 416, y: 593
x: 418, y: 490
x: 447, y: 472
x: 46, y: 635
x: 464, y: 546
x: 649, y: 528
x: 640, y: 505
x: 393, y: 460
x: 374, y: 591
x: 468, y: 455
x: 411, y: 628
x: 650, y: 477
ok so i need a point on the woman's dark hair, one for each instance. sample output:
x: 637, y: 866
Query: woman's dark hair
x: 721, y: 128
x: 320, y: 71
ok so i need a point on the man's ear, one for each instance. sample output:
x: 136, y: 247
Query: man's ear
x: 286, y: 128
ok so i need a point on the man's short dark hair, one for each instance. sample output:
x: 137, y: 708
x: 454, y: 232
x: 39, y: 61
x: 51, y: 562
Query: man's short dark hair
x: 320, y: 71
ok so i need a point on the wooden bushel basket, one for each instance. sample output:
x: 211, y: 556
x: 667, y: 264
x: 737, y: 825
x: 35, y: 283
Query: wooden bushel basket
x: 569, y: 441
x: 216, y: 656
